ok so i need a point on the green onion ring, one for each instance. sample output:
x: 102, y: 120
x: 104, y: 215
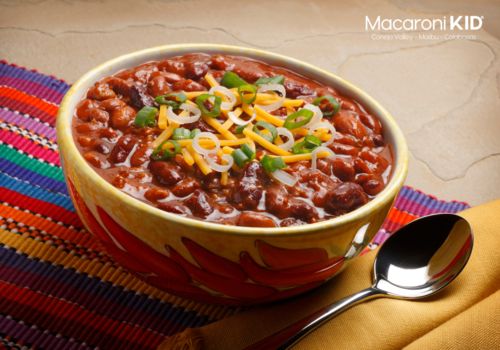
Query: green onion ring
x: 332, y: 100
x: 308, y: 114
x: 232, y: 80
x: 277, y: 79
x: 215, y: 112
x: 248, y: 151
x: 181, y: 134
x: 247, y: 87
x: 272, y: 163
x: 146, y: 116
x: 166, y: 152
x: 271, y: 136
x: 240, y: 158
x: 312, y: 142
x: 162, y: 100
x: 239, y: 129
x: 194, y: 132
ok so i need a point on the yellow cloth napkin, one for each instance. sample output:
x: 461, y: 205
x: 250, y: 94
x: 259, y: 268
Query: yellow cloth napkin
x: 465, y: 315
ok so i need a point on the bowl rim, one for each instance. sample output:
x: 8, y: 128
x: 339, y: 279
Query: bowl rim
x: 64, y: 120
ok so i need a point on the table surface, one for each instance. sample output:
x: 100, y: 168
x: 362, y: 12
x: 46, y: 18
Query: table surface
x: 444, y: 94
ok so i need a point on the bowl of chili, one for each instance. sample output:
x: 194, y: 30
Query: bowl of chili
x: 225, y: 174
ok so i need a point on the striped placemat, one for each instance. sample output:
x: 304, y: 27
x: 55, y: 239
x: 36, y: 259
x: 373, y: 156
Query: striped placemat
x: 57, y: 289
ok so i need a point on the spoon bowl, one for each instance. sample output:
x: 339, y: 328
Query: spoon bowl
x: 416, y: 261
x: 424, y: 256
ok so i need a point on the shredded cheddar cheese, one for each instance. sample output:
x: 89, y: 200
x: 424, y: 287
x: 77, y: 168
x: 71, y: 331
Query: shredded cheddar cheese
x: 165, y: 135
x: 298, y: 157
x: 264, y: 143
x: 162, y: 118
x: 211, y: 80
x: 187, y: 156
x: 208, y: 142
x: 202, y: 163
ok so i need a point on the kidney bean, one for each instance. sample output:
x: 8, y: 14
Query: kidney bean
x: 249, y: 72
x: 158, y: 86
x: 140, y: 98
x: 186, y: 187
x: 88, y: 127
x: 224, y: 285
x: 346, y: 123
x: 111, y: 104
x: 196, y: 70
x: 347, y: 140
x: 361, y: 167
x: 101, y: 92
x: 346, y: 196
x: 344, y: 169
x: 248, y: 190
x: 255, y: 220
x: 166, y: 173
x: 283, y: 206
x: 213, y: 263
x: 170, y: 78
x: 291, y: 277
x: 109, y: 134
x: 378, y: 140
x: 324, y: 165
x: 294, y: 89
x: 173, y: 66
x: 348, y: 104
x: 321, y: 184
x: 141, y: 156
x: 292, y: 222
x: 154, y: 194
x: 372, y: 184
x: 172, y: 208
x: 156, y: 262
x: 120, y: 86
x: 339, y: 148
x: 99, y: 115
x: 102, y: 147
x: 123, y: 148
x: 84, y: 107
x: 188, y: 85
x: 220, y: 62
x: 96, y: 160
x: 179, y: 160
x: 200, y: 204
x: 377, y: 162
x: 85, y: 141
x: 283, y: 259
x: 123, y: 74
x: 123, y: 117
x: 371, y: 122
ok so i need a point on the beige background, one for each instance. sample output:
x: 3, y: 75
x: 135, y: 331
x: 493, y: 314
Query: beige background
x: 443, y: 93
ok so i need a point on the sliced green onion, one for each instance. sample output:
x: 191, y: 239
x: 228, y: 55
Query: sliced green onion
x: 166, y: 152
x: 239, y: 129
x: 272, y: 163
x: 163, y: 100
x: 277, y: 79
x: 181, y: 134
x: 146, y: 116
x: 273, y: 133
x: 215, y: 112
x: 194, y: 132
x: 298, y: 148
x: 247, y: 87
x: 248, y: 151
x: 240, y: 158
x: 332, y: 100
x: 301, y: 113
x: 232, y: 80
x: 312, y: 142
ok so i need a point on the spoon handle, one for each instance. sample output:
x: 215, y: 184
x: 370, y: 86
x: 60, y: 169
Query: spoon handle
x: 292, y: 334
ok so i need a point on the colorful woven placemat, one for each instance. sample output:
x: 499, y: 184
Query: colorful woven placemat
x: 57, y: 289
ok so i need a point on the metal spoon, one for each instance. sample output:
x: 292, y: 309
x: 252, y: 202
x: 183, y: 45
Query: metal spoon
x: 416, y: 261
